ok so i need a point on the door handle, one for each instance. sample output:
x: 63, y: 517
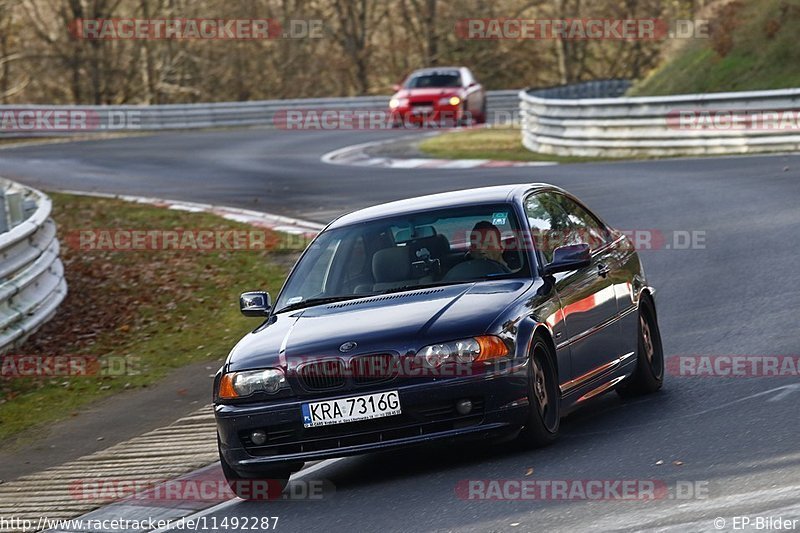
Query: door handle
x: 603, y: 270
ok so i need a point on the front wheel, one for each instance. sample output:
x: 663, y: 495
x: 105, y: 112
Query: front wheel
x: 544, y: 400
x: 267, y: 485
x: 649, y: 374
x: 483, y: 116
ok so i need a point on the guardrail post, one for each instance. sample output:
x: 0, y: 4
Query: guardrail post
x: 3, y: 216
x: 16, y: 213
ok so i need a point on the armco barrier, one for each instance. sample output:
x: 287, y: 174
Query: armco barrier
x: 32, y: 281
x: 210, y: 115
x: 592, y: 120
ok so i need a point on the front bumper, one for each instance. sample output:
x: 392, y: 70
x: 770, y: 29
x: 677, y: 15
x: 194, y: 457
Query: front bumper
x: 442, y: 114
x: 499, y: 407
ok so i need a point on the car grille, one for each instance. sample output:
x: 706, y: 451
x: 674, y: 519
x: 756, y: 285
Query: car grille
x: 424, y: 420
x: 423, y: 103
x: 322, y: 375
x: 370, y: 369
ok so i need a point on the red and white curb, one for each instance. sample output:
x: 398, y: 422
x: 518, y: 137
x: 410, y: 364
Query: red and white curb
x: 259, y: 219
x: 356, y: 155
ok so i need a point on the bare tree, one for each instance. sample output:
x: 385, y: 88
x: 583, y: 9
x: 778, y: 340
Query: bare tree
x: 367, y: 46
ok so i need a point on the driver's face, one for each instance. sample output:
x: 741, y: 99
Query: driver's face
x: 485, y: 244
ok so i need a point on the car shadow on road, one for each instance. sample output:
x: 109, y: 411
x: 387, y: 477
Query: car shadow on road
x: 608, y: 414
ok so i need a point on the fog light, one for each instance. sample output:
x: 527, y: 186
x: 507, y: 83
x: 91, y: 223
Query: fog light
x: 258, y: 437
x: 464, y: 407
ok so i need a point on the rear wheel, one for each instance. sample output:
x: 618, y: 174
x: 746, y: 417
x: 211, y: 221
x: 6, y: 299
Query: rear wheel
x: 266, y: 485
x: 544, y: 400
x: 649, y: 374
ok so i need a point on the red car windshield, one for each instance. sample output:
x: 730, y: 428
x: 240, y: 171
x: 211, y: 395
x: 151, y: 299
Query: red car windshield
x: 437, y: 80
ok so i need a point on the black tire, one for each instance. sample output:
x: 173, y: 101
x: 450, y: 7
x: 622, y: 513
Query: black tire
x: 483, y: 116
x: 649, y: 374
x: 462, y: 122
x: 267, y: 485
x: 544, y: 398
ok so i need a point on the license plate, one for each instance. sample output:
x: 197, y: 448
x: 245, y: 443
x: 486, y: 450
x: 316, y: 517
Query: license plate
x: 423, y: 110
x: 352, y: 409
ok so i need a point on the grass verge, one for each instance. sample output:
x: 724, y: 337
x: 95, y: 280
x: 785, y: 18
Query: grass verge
x: 500, y: 144
x: 159, y: 310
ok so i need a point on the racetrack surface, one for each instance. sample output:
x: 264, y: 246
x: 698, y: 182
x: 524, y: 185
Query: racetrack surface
x: 738, y: 295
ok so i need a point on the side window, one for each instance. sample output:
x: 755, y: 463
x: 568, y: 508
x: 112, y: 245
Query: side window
x: 549, y: 223
x: 588, y: 229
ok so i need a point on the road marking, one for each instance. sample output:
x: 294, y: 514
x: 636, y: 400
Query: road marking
x: 783, y: 392
x: 246, y: 216
x: 355, y: 155
x: 649, y: 517
x: 740, y: 400
x: 230, y: 503
x: 787, y: 391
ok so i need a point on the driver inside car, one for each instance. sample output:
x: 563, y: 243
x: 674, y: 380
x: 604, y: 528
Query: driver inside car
x: 485, y: 256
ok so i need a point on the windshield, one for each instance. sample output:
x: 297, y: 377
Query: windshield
x: 454, y: 245
x: 436, y: 79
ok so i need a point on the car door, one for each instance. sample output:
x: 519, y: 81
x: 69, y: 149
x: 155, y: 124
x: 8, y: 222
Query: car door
x: 586, y: 296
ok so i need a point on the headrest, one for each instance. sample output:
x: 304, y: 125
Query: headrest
x: 420, y: 232
x: 391, y: 264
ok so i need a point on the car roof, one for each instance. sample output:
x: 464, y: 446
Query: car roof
x: 483, y: 195
x: 434, y: 69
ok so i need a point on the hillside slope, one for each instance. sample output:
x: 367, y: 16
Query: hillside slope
x: 752, y: 46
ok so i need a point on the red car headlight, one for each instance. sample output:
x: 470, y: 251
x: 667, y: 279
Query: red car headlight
x: 450, y: 100
x: 394, y: 103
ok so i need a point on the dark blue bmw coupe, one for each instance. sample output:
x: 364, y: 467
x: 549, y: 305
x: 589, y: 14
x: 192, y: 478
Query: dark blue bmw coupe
x: 485, y: 313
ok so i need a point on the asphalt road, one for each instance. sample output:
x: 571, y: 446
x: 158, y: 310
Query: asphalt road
x: 737, y: 438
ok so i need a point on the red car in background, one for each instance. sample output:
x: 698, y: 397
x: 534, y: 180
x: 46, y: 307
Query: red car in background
x: 438, y: 96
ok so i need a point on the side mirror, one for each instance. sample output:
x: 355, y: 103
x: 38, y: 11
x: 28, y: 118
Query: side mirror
x: 396, y: 87
x: 256, y: 303
x: 572, y: 257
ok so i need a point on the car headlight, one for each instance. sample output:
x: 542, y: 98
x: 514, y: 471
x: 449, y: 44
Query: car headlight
x: 469, y: 350
x: 242, y: 384
x: 394, y: 103
x: 450, y: 100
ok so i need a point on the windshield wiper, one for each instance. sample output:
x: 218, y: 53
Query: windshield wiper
x: 318, y: 301
x: 332, y: 299
x: 416, y: 287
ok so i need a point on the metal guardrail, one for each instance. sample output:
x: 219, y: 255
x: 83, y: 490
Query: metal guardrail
x: 593, y: 121
x: 32, y: 281
x: 265, y: 113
